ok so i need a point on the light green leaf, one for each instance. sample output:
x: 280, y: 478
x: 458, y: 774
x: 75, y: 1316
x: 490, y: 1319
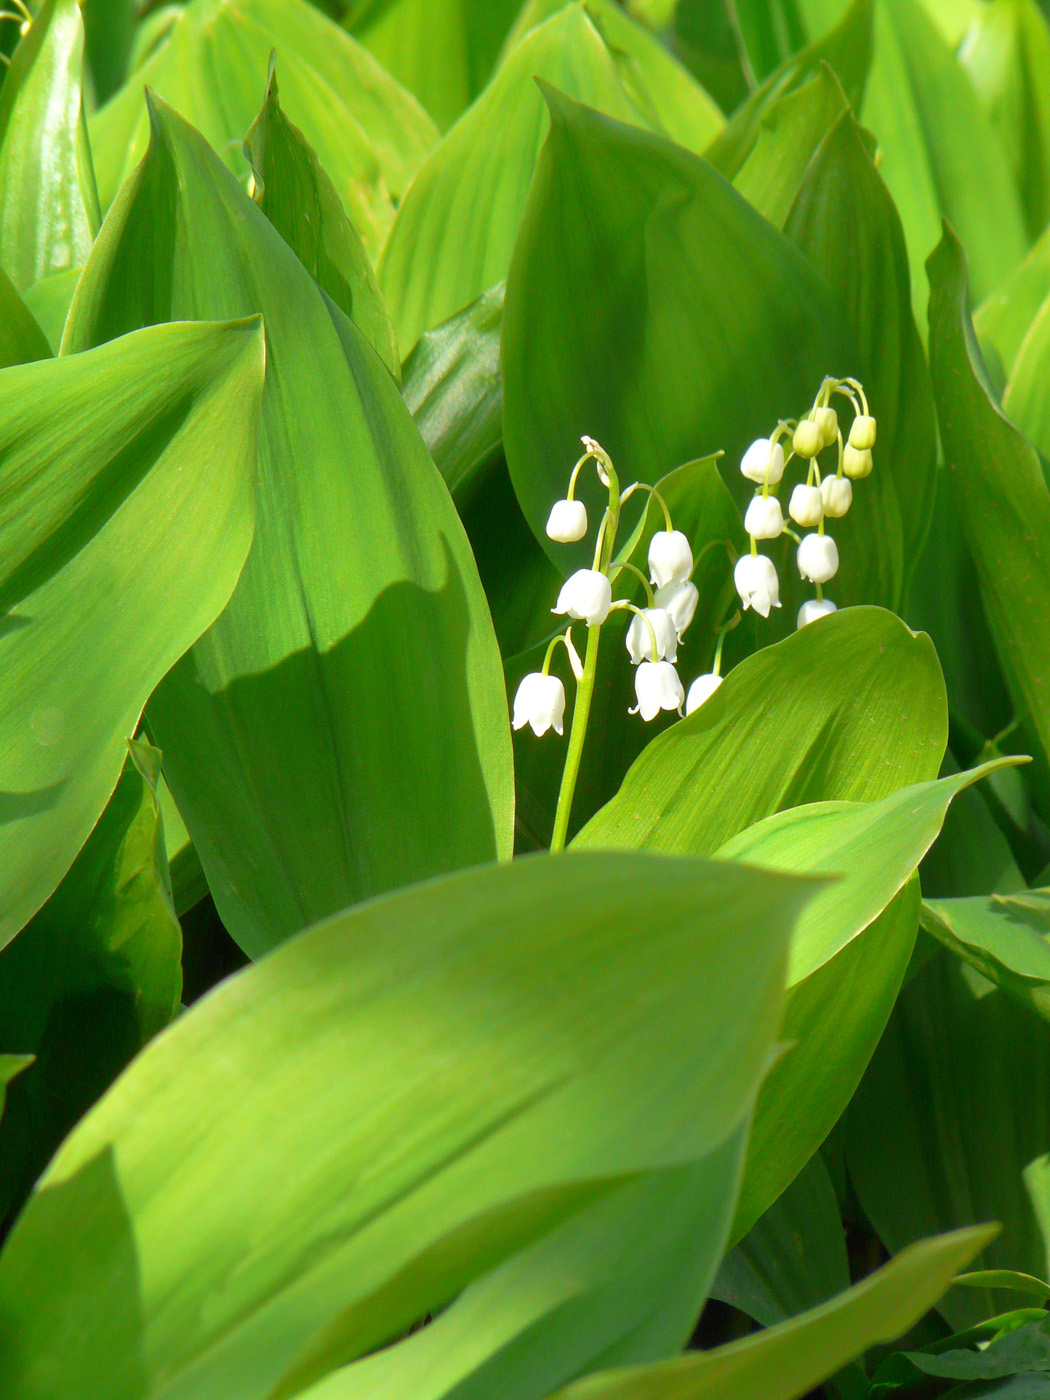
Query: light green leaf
x: 1000, y: 490
x: 21, y: 339
x: 810, y: 706
x: 1003, y: 318
x: 385, y: 1109
x: 369, y: 134
x: 299, y: 199
x: 356, y: 663
x: 967, y: 1071
x: 1004, y: 1278
x: 49, y: 301
x: 787, y: 1361
x: 1024, y: 400
x: 1005, y: 937
x: 127, y: 479
x: 99, y: 966
x: 48, y: 204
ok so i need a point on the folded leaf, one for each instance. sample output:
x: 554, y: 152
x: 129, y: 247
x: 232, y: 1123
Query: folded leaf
x: 1005, y: 937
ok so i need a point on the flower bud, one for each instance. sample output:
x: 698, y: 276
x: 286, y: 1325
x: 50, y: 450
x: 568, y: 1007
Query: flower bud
x: 640, y: 644
x: 764, y: 519
x: 862, y: 432
x: 837, y: 495
x: 763, y: 461
x: 756, y: 581
x: 818, y: 558
x: 567, y: 522
x: 657, y: 688
x: 670, y: 558
x: 701, y: 689
x: 680, y: 600
x: 827, y: 420
x: 808, y: 439
x: 856, y: 462
x: 587, y: 595
x: 539, y: 702
x: 813, y: 608
x: 807, y: 505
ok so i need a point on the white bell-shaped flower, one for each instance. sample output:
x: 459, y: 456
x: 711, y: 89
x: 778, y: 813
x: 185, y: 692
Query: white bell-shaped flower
x: 670, y: 558
x: 862, y: 432
x: 587, y: 595
x: 763, y: 461
x: 818, y: 558
x: 640, y: 643
x: 808, y: 439
x: 567, y: 522
x: 756, y: 581
x: 837, y: 495
x: 806, y: 506
x: 657, y: 688
x: 813, y: 608
x: 701, y: 689
x: 764, y: 519
x: 856, y: 462
x: 680, y: 600
x: 827, y: 420
x: 539, y: 702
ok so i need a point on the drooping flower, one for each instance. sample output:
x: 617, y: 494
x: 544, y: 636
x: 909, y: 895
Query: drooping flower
x: 763, y: 461
x: 827, y: 420
x: 764, y: 519
x: 814, y: 608
x: 862, y: 432
x: 808, y: 439
x: 657, y: 687
x: 701, y: 689
x: 756, y: 581
x: 680, y: 600
x: 818, y: 558
x: 640, y: 643
x: 837, y: 495
x: 856, y: 462
x: 670, y: 558
x: 540, y: 702
x: 567, y: 522
x: 806, y: 506
x: 587, y: 595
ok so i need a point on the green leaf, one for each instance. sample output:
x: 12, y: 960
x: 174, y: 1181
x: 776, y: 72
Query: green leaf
x: 1025, y: 1350
x: 356, y: 662
x: 1003, y: 318
x: 442, y: 50
x: 48, y: 204
x: 999, y: 487
x: 1024, y: 400
x: 456, y: 228
x: 687, y: 303
x: 1005, y: 937
x: 1007, y: 55
x: 301, y: 202
x: 810, y: 706
x: 10, y: 1066
x: 339, y: 1139
x: 967, y: 1071
x: 772, y: 31
x: 127, y: 480
x: 454, y: 390
x: 49, y: 301
x: 99, y: 966
x: 369, y: 134
x: 21, y: 339
x: 1004, y: 1278
x: 787, y: 1361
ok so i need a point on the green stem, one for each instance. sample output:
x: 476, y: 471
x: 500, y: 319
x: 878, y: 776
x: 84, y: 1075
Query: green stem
x: 581, y: 710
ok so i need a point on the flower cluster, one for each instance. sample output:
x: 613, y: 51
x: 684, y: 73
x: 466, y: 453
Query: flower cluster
x: 655, y: 631
x: 812, y: 502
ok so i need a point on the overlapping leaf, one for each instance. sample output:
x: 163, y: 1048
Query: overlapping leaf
x: 21, y: 339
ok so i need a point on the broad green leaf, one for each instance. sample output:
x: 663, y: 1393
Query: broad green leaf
x: 1024, y: 400
x: 454, y: 390
x: 772, y: 31
x: 369, y: 134
x: 299, y: 199
x: 649, y: 306
x: 21, y: 339
x: 1004, y: 936
x: 1007, y: 55
x: 49, y: 301
x: 110, y: 28
x: 127, y: 479
x: 48, y: 204
x: 661, y: 87
x: 792, y: 1259
x: 789, y: 1360
x: 456, y: 228
x: 1003, y: 318
x: 971, y: 856
x: 707, y: 42
x: 872, y: 848
x: 453, y: 1098
x: 10, y: 1066
x: 967, y: 1072
x: 442, y: 50
x: 1022, y: 1351
x: 1000, y: 491
x: 93, y: 976
x: 356, y: 662
x: 811, y: 707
